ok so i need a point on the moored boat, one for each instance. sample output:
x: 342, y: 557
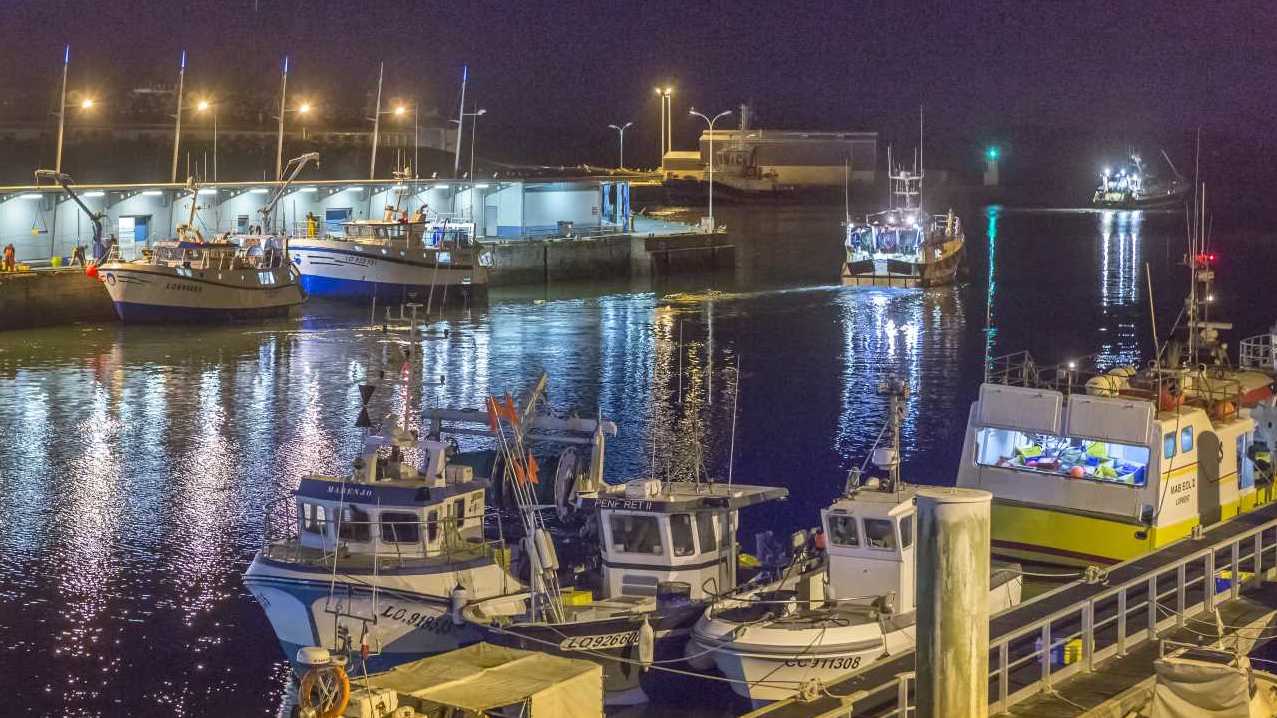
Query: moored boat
x: 806, y: 630
x: 1131, y: 186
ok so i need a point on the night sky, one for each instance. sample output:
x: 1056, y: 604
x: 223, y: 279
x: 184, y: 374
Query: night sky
x: 553, y: 75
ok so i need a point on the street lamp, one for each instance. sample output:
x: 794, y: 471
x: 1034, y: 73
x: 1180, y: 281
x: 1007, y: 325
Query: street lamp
x: 621, y: 131
x: 474, y: 128
x: 85, y: 103
x: 711, y: 122
x: 207, y: 106
x: 665, y: 94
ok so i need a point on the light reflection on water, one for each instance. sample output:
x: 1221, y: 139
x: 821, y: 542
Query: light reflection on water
x: 138, y: 460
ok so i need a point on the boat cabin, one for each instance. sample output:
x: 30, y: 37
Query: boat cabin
x: 391, y: 507
x: 654, y: 531
x: 901, y: 232
x: 1119, y: 448
x: 439, y: 234
x: 869, y: 541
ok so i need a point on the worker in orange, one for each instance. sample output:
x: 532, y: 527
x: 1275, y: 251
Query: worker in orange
x: 10, y: 259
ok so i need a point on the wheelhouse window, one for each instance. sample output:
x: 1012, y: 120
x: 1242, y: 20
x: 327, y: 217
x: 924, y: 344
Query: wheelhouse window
x: 842, y: 530
x: 879, y: 533
x: 906, y: 531
x: 706, y: 533
x: 635, y: 534
x: 314, y: 517
x: 1186, y: 440
x: 354, y: 524
x: 459, y: 512
x: 681, y: 532
x: 1063, y: 456
x: 432, y: 525
x: 398, y: 527
x: 1168, y: 445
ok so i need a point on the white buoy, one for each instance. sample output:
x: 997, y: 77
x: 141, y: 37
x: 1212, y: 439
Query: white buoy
x: 646, y: 643
x: 953, y: 602
x: 460, y: 597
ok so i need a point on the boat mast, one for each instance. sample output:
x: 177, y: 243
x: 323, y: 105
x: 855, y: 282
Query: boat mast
x: 920, y: 165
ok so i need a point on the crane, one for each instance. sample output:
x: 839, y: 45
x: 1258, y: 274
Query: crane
x: 99, y: 250
x: 294, y: 168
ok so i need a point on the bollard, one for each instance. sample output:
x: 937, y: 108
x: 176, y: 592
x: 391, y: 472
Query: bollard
x: 953, y: 602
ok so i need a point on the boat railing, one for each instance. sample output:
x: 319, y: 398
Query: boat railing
x: 1259, y: 353
x: 1173, y: 590
x: 361, y: 543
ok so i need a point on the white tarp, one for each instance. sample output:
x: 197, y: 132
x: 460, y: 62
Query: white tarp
x: 1194, y: 689
x: 483, y: 677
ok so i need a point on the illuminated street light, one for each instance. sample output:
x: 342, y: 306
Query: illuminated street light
x: 667, y: 141
x: 621, y: 131
x: 86, y: 103
x: 711, y: 122
x: 400, y: 110
x: 304, y: 108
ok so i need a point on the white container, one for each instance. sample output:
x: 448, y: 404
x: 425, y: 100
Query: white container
x: 372, y: 703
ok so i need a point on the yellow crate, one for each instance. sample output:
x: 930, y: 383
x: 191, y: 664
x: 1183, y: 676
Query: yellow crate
x: 574, y: 597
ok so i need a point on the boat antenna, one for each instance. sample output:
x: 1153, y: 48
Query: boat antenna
x: 731, y: 453
x: 920, y: 170
x: 846, y: 190
x: 889, y: 180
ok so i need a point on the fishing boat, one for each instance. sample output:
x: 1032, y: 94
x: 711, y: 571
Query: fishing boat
x: 858, y: 606
x: 903, y: 245
x: 1131, y: 186
x: 192, y: 278
x: 425, y: 258
x: 1097, y: 465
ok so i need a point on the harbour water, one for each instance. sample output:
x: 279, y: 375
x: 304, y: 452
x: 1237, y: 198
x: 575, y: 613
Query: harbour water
x: 137, y: 460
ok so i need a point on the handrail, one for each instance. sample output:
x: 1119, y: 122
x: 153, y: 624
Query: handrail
x: 1029, y: 659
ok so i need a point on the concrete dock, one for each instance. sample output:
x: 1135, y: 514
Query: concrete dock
x: 52, y: 296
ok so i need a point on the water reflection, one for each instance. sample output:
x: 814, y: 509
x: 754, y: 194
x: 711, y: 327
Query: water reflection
x: 991, y: 214
x: 1120, y: 275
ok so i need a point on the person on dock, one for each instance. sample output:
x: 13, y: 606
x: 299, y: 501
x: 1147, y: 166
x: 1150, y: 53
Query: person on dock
x: 312, y: 224
x: 77, y: 256
x: 10, y: 258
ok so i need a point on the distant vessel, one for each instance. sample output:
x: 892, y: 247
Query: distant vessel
x: 1089, y: 466
x: 857, y: 608
x: 903, y: 246
x: 1132, y: 187
x: 191, y: 279
x: 423, y: 259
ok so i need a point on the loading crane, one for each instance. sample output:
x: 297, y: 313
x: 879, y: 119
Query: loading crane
x: 294, y: 168
x: 63, y: 179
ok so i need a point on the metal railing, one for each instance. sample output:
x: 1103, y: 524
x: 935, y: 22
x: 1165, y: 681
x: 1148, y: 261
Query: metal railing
x: 1259, y: 353
x: 1032, y: 658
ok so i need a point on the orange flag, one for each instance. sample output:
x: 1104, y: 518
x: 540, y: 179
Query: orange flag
x: 493, y: 420
x: 519, y: 475
x: 532, y: 468
x: 511, y: 413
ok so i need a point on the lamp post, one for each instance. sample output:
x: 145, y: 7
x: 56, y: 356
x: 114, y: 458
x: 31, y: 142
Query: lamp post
x: 211, y: 108
x: 711, y: 122
x: 474, y: 127
x: 665, y: 94
x: 85, y: 103
x: 621, y: 131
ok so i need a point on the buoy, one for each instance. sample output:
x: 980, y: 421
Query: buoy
x: 1077, y: 472
x: 91, y: 270
x: 545, y: 550
x: 314, y: 689
x: 646, y: 643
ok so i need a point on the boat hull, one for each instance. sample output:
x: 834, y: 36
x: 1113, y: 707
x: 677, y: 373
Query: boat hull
x: 882, y: 272
x: 345, y: 270
x: 613, y: 643
x: 150, y: 293
x: 408, y: 618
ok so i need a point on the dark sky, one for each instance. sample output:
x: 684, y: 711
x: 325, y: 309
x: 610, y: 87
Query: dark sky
x: 553, y: 75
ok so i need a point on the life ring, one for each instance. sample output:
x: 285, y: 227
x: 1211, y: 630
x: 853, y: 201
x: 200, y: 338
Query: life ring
x: 315, y: 691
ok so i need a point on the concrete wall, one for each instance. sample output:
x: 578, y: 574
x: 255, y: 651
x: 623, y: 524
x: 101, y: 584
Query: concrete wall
x: 35, y: 299
x: 517, y: 208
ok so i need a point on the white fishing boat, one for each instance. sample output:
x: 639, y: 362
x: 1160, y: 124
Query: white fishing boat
x: 192, y: 278
x: 903, y: 245
x: 1097, y: 465
x: 1131, y: 186
x: 806, y: 630
x: 425, y: 258
x: 374, y: 565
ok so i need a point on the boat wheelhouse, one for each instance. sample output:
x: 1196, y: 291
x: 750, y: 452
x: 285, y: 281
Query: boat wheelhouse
x: 375, y: 565
x: 904, y: 246
x: 665, y: 550
x: 430, y: 261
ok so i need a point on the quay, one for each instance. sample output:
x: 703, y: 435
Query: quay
x: 539, y: 230
x: 1087, y: 648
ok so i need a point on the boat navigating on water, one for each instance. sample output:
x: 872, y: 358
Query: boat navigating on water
x: 903, y: 245
x: 1095, y: 465
x: 425, y: 258
x: 1132, y: 187
x: 193, y: 279
x: 807, y: 629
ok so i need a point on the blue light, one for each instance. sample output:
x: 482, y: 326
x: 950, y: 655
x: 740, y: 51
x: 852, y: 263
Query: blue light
x: 66, y: 56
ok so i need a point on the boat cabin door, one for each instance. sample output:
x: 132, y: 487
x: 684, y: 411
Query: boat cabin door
x: 1210, y: 453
